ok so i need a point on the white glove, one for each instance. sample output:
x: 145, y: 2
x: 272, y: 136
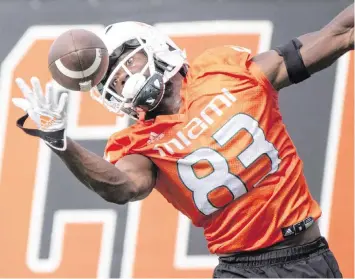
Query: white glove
x: 48, y: 112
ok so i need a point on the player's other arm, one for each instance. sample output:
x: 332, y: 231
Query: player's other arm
x: 319, y: 50
x: 132, y: 178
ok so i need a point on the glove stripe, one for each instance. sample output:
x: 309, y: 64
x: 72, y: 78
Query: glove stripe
x: 55, y: 139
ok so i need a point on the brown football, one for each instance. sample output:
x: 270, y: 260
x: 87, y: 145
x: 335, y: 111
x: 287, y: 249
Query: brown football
x: 78, y: 59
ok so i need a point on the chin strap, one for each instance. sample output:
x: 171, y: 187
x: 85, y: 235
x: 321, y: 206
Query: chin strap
x: 144, y: 93
x: 133, y: 85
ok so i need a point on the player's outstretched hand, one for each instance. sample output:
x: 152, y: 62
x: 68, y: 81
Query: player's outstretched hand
x: 47, y: 111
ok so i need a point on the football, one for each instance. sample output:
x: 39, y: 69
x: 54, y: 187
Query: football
x: 78, y: 59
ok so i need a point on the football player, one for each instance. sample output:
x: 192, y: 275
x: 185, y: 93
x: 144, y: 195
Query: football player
x: 210, y: 138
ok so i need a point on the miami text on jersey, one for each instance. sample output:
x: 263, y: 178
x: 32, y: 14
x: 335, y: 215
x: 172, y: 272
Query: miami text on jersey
x: 197, y: 125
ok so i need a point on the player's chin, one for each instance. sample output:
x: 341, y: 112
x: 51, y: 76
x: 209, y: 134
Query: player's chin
x: 164, y: 107
x: 154, y: 113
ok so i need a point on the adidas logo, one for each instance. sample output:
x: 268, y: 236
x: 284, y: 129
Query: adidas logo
x: 154, y: 137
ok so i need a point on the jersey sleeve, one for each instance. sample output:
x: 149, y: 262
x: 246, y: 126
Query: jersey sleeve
x: 118, y: 145
x: 125, y: 142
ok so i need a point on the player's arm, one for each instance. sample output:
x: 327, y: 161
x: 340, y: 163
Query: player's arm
x: 132, y: 178
x: 319, y: 50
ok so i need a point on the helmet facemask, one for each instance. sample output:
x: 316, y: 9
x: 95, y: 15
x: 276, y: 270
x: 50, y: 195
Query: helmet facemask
x: 142, y: 91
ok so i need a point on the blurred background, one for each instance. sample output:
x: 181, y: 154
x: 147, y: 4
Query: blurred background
x: 52, y: 226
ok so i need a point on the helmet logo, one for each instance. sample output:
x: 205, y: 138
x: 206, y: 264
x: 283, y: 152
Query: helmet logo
x: 150, y: 101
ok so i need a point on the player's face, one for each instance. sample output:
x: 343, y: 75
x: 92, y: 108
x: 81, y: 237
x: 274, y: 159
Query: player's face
x: 134, y: 64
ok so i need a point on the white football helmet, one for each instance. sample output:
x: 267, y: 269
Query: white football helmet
x: 141, y: 90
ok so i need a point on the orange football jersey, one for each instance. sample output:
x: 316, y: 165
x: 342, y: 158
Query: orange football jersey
x: 225, y: 160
